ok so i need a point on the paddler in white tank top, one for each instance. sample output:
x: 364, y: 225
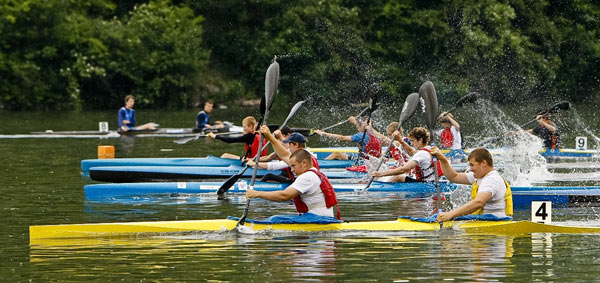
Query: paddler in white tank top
x: 490, y: 192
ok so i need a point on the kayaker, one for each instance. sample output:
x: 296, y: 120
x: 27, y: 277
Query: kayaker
x: 401, y: 150
x: 311, y: 191
x: 203, y: 118
x: 250, y: 138
x: 450, y: 136
x: 490, y: 193
x: 421, y: 161
x: 294, y: 142
x: 370, y: 145
x: 281, y: 135
x: 547, y: 130
x: 126, y: 117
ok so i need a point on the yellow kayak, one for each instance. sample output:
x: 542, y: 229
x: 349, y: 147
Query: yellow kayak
x: 136, y: 228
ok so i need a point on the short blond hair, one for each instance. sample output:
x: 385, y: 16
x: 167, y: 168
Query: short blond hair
x: 250, y: 121
x: 393, y: 126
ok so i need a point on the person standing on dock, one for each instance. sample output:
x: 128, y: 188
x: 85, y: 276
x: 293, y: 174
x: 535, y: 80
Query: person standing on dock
x: 490, y: 193
x: 311, y: 191
x: 547, y: 130
x: 421, y: 161
x: 250, y: 138
x: 127, y: 117
x: 203, y: 118
x: 370, y: 145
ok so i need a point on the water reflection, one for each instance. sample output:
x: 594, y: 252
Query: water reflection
x: 278, y: 256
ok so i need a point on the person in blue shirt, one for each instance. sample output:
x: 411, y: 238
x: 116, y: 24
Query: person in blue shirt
x: 203, y: 118
x: 127, y: 117
x: 367, y: 143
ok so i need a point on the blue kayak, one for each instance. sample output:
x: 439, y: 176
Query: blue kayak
x: 209, y: 161
x: 115, y: 190
x: 522, y: 196
x: 323, y: 152
x: 125, y: 174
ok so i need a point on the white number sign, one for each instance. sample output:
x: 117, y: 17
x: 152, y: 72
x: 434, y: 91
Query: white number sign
x: 581, y: 143
x: 103, y: 126
x: 541, y: 211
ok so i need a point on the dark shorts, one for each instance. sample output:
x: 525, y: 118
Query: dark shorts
x: 410, y: 180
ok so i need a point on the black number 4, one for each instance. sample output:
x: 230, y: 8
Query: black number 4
x: 542, y: 211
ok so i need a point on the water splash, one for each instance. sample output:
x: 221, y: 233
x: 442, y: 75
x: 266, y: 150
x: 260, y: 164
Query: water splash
x: 581, y: 124
x: 523, y: 164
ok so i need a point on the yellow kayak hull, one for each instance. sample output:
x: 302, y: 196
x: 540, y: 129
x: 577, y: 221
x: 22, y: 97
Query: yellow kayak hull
x: 136, y: 228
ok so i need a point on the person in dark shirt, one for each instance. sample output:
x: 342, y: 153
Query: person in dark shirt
x: 547, y: 131
x: 203, y: 118
x: 126, y: 117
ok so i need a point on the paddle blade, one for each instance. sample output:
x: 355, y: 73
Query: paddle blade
x: 292, y: 112
x: 186, y: 140
x: 410, y: 107
x: 469, y: 98
x: 430, y: 103
x: 563, y: 105
x: 227, y: 185
x: 263, y: 109
x: 271, y: 84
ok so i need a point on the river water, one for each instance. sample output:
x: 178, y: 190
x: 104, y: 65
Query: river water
x: 41, y: 184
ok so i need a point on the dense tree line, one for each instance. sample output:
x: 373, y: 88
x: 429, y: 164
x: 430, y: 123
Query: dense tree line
x: 89, y: 54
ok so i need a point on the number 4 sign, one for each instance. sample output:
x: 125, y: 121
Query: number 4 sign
x: 541, y: 212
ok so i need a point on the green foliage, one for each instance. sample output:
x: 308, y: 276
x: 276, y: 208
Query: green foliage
x: 155, y: 53
x: 64, y: 54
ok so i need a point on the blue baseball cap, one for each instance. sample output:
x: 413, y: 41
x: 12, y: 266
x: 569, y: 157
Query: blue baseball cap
x: 295, y: 137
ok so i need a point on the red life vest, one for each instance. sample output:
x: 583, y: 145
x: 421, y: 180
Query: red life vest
x: 447, y: 138
x: 373, y: 147
x: 398, y: 155
x: 254, y: 149
x: 289, y: 171
x: 328, y: 193
x: 420, y: 176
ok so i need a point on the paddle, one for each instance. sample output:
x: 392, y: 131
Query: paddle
x: 469, y: 98
x: 312, y: 131
x: 233, y: 179
x: 562, y: 105
x: 271, y: 84
x: 429, y: 99
x: 189, y: 139
x: 372, y: 107
x: 410, y: 107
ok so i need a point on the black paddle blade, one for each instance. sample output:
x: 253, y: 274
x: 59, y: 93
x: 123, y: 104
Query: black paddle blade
x: 469, y: 98
x: 227, y: 185
x: 430, y: 103
x: 263, y: 108
x: 410, y: 107
x: 563, y: 105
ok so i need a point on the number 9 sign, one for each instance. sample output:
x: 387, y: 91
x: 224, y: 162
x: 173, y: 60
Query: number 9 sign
x: 581, y: 143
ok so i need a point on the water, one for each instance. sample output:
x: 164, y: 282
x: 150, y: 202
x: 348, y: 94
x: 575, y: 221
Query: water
x: 40, y: 185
